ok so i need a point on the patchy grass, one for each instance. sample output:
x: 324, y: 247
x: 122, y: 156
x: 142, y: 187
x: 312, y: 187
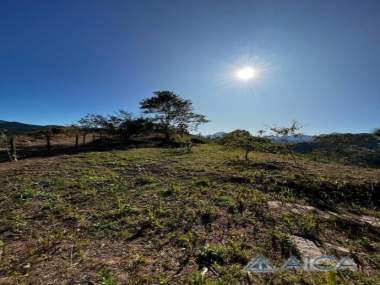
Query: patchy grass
x: 159, y: 216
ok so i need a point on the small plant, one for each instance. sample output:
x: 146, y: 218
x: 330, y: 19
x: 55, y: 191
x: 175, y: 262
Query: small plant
x: 197, y: 279
x: 187, y: 240
x: 185, y: 142
x: 145, y: 179
x: 230, y: 253
x: 171, y: 190
x: 211, y: 254
x: 305, y: 224
x: 106, y: 277
x: 366, y: 243
x: 226, y: 201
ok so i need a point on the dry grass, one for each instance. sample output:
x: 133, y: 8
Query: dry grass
x: 158, y: 216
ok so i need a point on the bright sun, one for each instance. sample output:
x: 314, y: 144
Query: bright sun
x: 246, y: 73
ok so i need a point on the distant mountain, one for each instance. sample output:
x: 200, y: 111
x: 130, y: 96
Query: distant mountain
x: 217, y: 135
x: 275, y: 139
x: 291, y: 139
x: 20, y: 128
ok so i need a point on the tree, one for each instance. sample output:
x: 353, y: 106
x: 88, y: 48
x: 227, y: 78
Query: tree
x: 243, y: 139
x: 376, y: 132
x: 135, y: 127
x: 172, y: 113
x: 115, y: 122
x: 285, y: 132
x: 94, y: 121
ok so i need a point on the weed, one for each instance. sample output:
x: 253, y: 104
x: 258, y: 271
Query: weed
x: 106, y: 277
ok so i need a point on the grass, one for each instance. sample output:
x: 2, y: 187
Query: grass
x: 161, y: 216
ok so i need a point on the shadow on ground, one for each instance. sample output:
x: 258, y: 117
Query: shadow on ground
x: 56, y: 150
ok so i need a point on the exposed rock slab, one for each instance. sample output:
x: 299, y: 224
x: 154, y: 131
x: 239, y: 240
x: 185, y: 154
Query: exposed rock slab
x: 301, y: 209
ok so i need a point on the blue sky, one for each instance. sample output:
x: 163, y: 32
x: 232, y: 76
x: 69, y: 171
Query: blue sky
x: 319, y: 60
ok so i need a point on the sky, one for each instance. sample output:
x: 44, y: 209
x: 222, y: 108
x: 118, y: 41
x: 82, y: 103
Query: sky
x: 318, y: 62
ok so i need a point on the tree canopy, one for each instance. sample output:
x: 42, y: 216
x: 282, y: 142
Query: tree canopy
x: 243, y: 139
x: 172, y: 113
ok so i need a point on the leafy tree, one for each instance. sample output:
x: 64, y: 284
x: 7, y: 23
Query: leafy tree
x: 115, y: 122
x: 94, y: 121
x: 376, y: 132
x: 135, y: 127
x: 172, y: 113
x: 243, y: 139
x: 121, y: 123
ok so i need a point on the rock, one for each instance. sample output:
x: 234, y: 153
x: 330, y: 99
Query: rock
x: 306, y: 247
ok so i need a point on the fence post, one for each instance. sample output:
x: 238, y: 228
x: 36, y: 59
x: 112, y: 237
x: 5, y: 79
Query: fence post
x: 76, y: 141
x: 84, y: 138
x: 48, y: 144
x: 13, y: 149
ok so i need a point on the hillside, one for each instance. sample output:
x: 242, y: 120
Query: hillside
x: 355, y: 149
x: 20, y: 128
x: 161, y: 216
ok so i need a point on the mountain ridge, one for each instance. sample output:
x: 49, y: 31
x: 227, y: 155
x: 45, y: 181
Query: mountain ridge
x: 13, y: 127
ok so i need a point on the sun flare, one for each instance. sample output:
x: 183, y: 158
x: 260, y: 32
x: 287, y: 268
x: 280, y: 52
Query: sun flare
x: 246, y: 73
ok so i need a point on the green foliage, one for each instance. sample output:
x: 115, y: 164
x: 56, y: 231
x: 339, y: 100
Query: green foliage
x: 135, y: 127
x: 356, y: 149
x: 94, y: 121
x: 172, y: 113
x: 106, y: 277
x: 305, y: 224
x: 187, y: 240
x: 121, y: 123
x: 243, y: 139
x: 211, y: 254
x: 222, y: 254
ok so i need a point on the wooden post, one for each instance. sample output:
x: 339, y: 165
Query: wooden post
x: 48, y: 144
x: 76, y: 141
x: 84, y: 138
x: 13, y: 149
